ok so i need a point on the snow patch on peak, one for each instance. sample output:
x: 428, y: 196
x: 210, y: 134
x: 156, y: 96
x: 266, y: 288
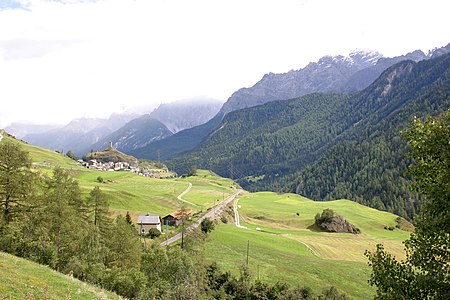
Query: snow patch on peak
x: 364, y: 56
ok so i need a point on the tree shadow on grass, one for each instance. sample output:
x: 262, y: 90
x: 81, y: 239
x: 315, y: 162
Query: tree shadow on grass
x: 315, y: 228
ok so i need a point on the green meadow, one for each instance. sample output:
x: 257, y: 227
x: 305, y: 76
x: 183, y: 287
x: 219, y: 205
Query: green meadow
x: 23, y: 279
x: 136, y: 194
x: 284, y: 245
x: 208, y: 189
x: 43, y: 158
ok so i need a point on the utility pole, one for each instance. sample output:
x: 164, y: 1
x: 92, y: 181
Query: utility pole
x: 248, y: 247
x: 167, y: 230
x: 182, y: 232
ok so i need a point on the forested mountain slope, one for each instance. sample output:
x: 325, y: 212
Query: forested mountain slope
x: 330, y: 145
x: 330, y: 74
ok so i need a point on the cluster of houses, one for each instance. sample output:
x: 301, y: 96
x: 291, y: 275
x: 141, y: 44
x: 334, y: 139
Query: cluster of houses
x: 148, y: 221
x: 108, y: 166
x: 118, y: 166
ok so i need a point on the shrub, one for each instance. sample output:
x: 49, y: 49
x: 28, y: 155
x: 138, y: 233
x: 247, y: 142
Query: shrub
x: 207, y: 225
x: 153, y: 233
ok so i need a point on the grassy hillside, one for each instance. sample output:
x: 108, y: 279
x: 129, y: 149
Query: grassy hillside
x: 287, y: 246
x: 43, y: 158
x: 136, y: 194
x: 22, y: 279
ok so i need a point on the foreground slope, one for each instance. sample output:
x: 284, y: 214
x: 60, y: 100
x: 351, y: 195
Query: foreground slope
x: 23, y: 279
x: 284, y: 244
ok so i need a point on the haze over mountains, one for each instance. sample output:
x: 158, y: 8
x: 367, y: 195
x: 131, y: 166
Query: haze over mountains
x: 79, y: 134
x: 86, y: 134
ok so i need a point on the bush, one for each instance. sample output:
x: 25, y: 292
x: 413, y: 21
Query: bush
x: 326, y: 216
x: 100, y: 179
x: 153, y: 233
x: 207, y: 225
x: 125, y: 282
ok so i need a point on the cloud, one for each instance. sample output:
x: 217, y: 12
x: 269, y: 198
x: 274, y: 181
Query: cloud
x: 12, y: 4
x: 63, y: 58
x: 28, y: 48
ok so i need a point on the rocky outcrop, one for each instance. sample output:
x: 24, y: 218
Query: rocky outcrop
x: 330, y: 221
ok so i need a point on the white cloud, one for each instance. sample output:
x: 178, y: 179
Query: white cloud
x: 59, y: 61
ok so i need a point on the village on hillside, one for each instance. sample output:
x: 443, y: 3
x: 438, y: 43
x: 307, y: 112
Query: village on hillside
x: 124, y: 166
x: 110, y: 160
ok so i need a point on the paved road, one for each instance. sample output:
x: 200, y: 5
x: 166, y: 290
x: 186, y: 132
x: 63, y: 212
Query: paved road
x: 209, y: 214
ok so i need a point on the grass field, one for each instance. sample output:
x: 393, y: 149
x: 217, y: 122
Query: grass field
x: 44, y: 158
x: 207, y: 188
x: 136, y: 194
x: 22, y: 279
x: 287, y: 247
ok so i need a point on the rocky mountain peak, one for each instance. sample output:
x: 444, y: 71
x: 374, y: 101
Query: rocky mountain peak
x: 364, y: 57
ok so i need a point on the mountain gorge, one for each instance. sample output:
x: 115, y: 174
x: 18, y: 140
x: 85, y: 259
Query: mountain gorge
x: 329, y: 146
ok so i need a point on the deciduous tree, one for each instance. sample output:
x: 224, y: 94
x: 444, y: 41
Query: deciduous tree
x: 426, y: 272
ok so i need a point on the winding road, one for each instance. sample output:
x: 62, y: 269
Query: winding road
x: 184, y: 193
x: 209, y: 214
x: 236, y: 214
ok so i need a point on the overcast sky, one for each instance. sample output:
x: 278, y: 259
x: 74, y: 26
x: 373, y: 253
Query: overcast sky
x: 65, y: 59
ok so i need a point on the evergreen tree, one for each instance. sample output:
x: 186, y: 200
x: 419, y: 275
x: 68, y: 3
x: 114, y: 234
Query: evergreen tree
x: 16, y: 180
x: 63, y: 218
x: 124, y: 247
x: 99, y: 226
x: 71, y: 155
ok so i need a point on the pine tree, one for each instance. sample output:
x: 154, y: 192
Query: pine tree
x: 63, y: 204
x: 99, y: 225
x: 16, y: 180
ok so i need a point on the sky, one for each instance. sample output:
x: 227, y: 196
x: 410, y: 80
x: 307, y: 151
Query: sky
x: 61, y: 60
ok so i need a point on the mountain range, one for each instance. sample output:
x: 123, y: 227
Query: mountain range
x: 330, y: 130
x: 330, y: 146
x: 79, y: 134
x: 127, y: 131
x: 344, y: 74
